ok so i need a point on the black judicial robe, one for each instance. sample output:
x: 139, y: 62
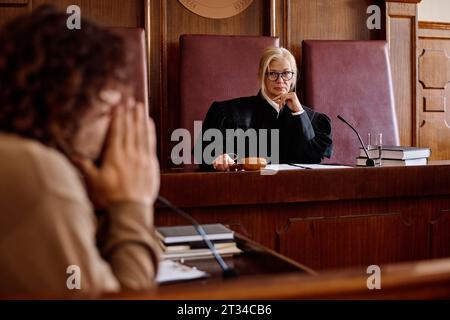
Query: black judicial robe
x: 304, y: 138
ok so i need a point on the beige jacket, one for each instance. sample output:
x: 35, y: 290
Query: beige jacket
x: 47, y: 224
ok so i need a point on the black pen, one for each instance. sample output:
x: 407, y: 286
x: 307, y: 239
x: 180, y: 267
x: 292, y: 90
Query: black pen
x: 297, y: 165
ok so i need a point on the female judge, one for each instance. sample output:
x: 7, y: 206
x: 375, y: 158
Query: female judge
x: 304, y: 136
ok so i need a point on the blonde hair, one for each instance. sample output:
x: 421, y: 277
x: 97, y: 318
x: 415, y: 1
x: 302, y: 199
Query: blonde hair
x: 275, y: 53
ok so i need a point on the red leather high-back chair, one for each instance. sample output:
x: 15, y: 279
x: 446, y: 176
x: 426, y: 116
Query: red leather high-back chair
x: 136, y: 45
x: 351, y: 79
x: 217, y: 68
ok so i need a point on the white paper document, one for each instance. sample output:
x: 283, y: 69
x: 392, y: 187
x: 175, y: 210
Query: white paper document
x: 271, y: 168
x: 170, y: 271
x: 321, y: 166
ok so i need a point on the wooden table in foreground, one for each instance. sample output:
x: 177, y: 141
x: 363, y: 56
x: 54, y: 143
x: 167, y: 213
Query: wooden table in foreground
x: 329, y: 218
x: 265, y: 274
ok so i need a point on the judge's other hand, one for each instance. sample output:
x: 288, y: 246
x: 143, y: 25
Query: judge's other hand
x: 291, y: 100
x: 223, y: 162
x: 130, y: 169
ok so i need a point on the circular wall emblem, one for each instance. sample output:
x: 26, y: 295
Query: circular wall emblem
x: 216, y: 9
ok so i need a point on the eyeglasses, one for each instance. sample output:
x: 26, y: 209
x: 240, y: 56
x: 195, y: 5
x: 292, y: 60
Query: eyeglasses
x: 285, y: 75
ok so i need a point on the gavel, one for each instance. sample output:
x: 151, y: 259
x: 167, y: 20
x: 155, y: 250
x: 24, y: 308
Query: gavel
x: 249, y: 164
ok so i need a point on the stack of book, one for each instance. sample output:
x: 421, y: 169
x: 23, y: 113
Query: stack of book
x: 184, y: 242
x: 395, y: 156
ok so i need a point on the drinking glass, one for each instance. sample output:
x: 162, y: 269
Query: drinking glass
x: 375, y: 142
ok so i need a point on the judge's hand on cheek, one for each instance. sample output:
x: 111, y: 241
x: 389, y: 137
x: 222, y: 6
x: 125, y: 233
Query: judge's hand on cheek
x: 130, y: 169
x: 291, y: 100
x: 223, y: 162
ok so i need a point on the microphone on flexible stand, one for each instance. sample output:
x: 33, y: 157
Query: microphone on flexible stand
x: 227, y: 272
x: 369, y: 162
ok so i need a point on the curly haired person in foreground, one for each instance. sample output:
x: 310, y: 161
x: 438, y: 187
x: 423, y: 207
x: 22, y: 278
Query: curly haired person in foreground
x: 72, y: 140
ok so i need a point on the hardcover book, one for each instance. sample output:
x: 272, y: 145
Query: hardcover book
x: 183, y: 234
x: 397, y: 152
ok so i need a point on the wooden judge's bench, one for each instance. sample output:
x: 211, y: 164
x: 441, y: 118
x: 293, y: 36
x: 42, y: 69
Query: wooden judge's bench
x: 325, y: 218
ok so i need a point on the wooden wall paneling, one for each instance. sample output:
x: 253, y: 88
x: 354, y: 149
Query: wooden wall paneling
x: 117, y: 13
x: 13, y: 8
x: 434, y: 68
x: 14, y: 2
x: 156, y: 32
x: 329, y: 20
x: 434, y: 89
x: 401, y: 29
x: 433, y: 133
x: 279, y: 23
x: 434, y: 101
